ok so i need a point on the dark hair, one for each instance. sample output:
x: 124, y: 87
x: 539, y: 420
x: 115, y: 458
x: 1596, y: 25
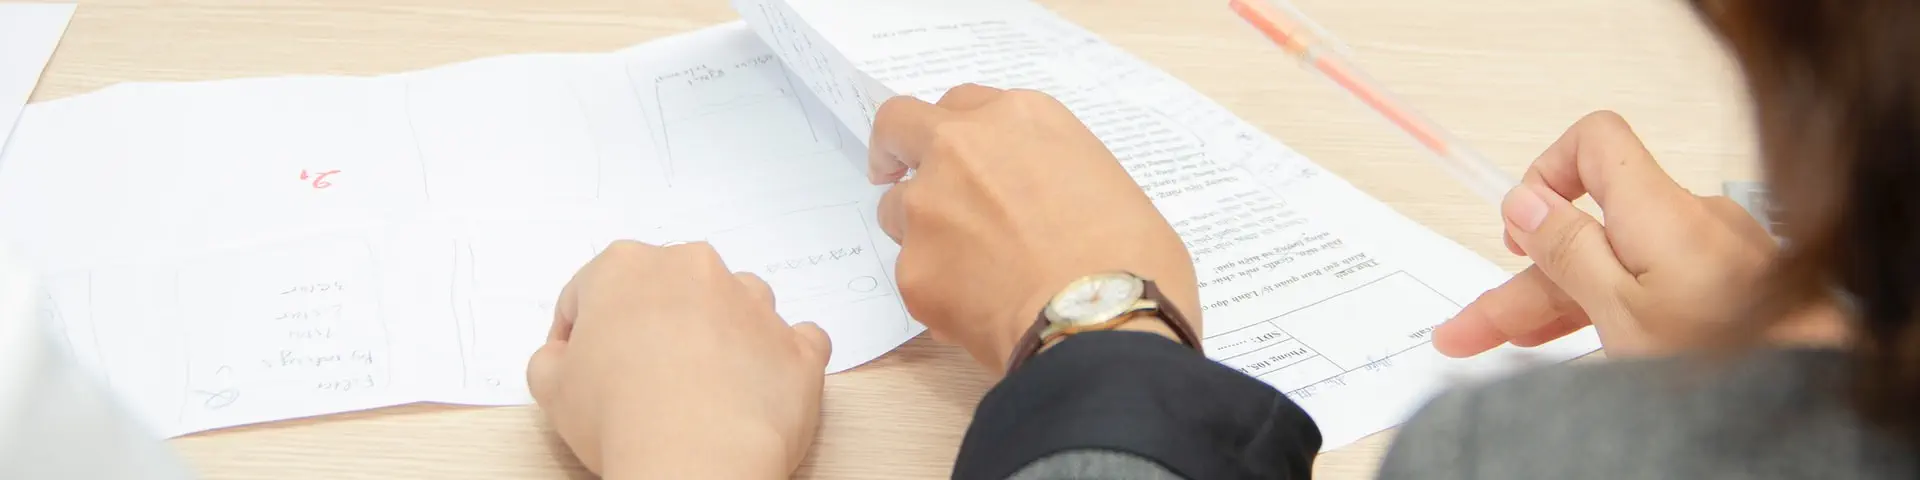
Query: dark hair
x: 1836, y: 91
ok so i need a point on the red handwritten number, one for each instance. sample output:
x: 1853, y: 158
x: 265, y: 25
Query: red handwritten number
x: 319, y: 179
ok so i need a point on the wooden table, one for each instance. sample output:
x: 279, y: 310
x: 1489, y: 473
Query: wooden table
x: 1507, y: 75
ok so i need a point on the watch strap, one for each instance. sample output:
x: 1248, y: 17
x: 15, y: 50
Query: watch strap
x: 1182, y: 327
x: 1030, y: 342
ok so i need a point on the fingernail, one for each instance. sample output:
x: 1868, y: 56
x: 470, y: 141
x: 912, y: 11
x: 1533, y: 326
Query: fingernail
x: 1524, y: 208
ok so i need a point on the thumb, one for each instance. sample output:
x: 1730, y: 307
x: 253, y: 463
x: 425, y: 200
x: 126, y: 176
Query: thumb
x: 814, y: 343
x: 1567, y: 244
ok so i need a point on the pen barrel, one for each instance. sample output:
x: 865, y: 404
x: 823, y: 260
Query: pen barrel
x: 1319, y: 51
x: 1466, y: 165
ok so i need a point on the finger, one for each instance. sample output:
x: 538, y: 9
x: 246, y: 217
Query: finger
x: 565, y: 309
x: 814, y: 343
x: 1523, y: 305
x: 892, y: 212
x: 543, y: 373
x: 757, y: 289
x: 968, y: 96
x: 1568, y: 246
x: 1559, y: 327
x: 902, y: 129
x: 1597, y: 139
x: 1600, y: 155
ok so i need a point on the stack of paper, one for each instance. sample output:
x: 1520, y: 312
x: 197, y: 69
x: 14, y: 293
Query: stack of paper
x: 250, y: 250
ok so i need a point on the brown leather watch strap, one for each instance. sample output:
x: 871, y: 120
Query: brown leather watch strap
x: 1030, y: 342
x: 1175, y: 319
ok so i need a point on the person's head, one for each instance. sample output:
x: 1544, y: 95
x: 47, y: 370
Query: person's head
x: 1836, y: 90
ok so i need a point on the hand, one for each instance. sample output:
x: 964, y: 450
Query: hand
x: 662, y: 364
x: 1666, y: 269
x: 1011, y: 199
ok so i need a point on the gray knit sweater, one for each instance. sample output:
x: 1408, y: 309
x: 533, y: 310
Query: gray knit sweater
x: 1777, y: 414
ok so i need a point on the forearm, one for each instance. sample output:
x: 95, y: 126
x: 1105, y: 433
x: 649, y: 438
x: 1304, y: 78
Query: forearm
x: 1143, y: 396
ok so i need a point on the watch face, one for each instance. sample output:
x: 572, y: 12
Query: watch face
x: 1095, y: 299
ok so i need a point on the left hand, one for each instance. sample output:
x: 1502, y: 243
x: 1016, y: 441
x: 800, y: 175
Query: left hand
x: 1663, y: 273
x: 662, y: 364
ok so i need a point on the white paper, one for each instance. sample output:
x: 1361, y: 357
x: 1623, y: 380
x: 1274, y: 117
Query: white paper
x: 274, y: 248
x: 28, y: 34
x: 1307, y: 283
x: 261, y: 249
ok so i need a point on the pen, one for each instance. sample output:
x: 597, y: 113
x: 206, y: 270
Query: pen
x: 1287, y: 27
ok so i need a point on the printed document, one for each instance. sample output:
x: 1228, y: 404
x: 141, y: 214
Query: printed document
x: 263, y: 249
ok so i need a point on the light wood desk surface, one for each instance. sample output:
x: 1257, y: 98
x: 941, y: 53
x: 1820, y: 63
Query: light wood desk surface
x: 1507, y: 75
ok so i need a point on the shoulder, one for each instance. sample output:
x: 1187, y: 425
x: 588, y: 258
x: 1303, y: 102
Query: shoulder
x: 1756, y: 384
x: 1094, y: 463
x: 1654, y: 418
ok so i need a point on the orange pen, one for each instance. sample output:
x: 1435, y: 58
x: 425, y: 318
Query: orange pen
x: 1287, y: 27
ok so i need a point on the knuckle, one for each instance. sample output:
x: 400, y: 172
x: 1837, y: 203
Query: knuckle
x: 912, y: 203
x: 1033, y: 103
x: 699, y: 260
x: 890, y: 210
x: 969, y: 88
x: 695, y: 250
x: 756, y: 287
x: 1031, y: 97
x: 914, y: 279
x: 1567, y: 242
x: 949, y: 139
x: 1611, y: 129
x: 921, y: 291
x: 1606, y: 120
x: 627, y: 251
x: 891, y: 106
x: 954, y: 92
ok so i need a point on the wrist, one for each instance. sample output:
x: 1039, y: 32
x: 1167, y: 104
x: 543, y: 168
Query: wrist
x: 1144, y: 322
x: 700, y: 450
x: 1011, y: 328
x: 1166, y: 322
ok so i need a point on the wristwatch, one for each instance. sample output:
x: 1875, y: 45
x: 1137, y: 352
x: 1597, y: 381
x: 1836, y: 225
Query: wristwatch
x: 1100, y: 302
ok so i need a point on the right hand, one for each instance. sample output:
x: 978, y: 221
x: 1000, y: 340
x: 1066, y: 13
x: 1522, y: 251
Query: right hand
x: 1011, y: 199
x: 662, y: 364
x: 1665, y: 269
